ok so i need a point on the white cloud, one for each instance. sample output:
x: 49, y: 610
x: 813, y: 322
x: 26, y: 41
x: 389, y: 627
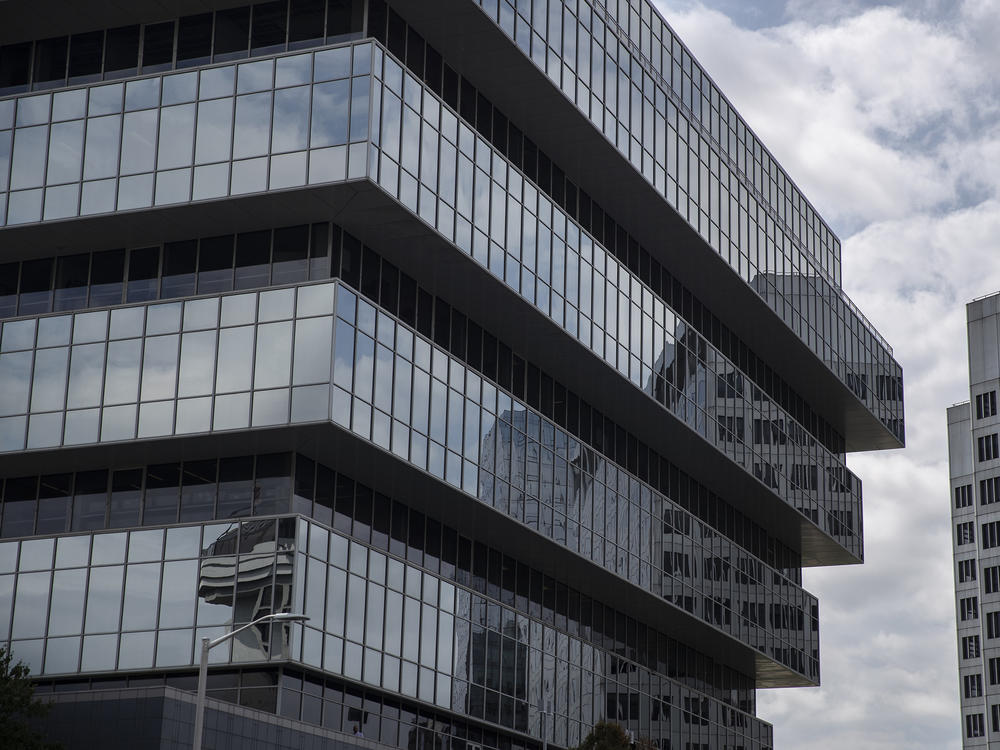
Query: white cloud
x: 886, y: 117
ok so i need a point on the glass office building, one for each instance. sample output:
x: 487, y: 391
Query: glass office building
x: 486, y: 334
x: 974, y: 464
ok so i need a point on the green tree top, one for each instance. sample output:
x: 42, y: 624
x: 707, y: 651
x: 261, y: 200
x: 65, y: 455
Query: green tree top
x: 18, y: 706
x: 606, y: 735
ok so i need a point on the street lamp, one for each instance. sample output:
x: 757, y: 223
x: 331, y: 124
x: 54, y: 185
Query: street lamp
x: 207, y: 645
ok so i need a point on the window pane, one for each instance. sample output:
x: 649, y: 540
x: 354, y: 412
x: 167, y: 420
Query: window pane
x: 121, y: 51
x: 65, y: 152
x: 49, y: 386
x: 313, y: 337
x: 268, y: 29
x: 28, y: 162
x: 215, y: 131
x: 330, y: 113
x: 176, y: 134
x: 197, y: 371
x: 273, y: 355
x: 253, y: 125
x: 85, y: 56
x: 139, y: 142
x: 157, y: 46
x: 194, y: 40
x: 50, y: 60
x: 235, y: 359
x: 232, y: 33
x: 159, y: 367
x: 291, y: 119
x: 104, y: 595
x: 121, y: 382
x: 102, y: 147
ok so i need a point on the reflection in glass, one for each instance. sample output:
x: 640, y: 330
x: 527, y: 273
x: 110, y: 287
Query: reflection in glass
x: 159, y: 367
x: 313, y: 338
x: 105, y: 100
x: 270, y: 407
x: 173, y: 187
x: 68, y: 593
x: 15, y: 374
x: 82, y: 426
x: 104, y: 597
x: 138, y: 142
x: 184, y: 541
x: 211, y: 181
x: 62, y: 655
x: 249, y: 176
x: 215, y: 131
x: 121, y: 382
x: 61, y: 202
x: 231, y: 412
x: 330, y: 113
x: 332, y: 63
x: 99, y: 653
x: 33, y: 110
x: 156, y: 419
x: 5, y: 141
x: 359, y: 108
x: 173, y: 648
x: 25, y: 206
x: 217, y: 82
x: 98, y: 197
x: 164, y: 318
x: 273, y: 355
x: 194, y: 415
x: 291, y: 119
x: 235, y: 359
x: 101, y: 155
x: 118, y: 423
x: 198, y: 492
x: 28, y: 162
x: 177, y: 598
x: 253, y: 125
x: 65, y: 152
x: 142, y: 94
x: 6, y: 603
x: 255, y: 76
x: 136, y: 650
x: 86, y: 374
x: 30, y: 604
x: 44, y: 431
x: 126, y: 492
x: 197, y: 365
x: 90, y: 500
x: 48, y: 388
x: 176, y: 135
x: 287, y: 170
x: 71, y: 552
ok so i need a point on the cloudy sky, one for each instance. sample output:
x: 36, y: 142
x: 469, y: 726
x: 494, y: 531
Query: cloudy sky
x: 885, y: 114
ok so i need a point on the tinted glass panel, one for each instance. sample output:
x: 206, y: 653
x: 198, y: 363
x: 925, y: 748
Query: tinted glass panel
x: 85, y: 56
x: 232, y: 30
x: 157, y: 46
x: 121, y: 50
x: 194, y: 39
x: 50, y: 60
x: 268, y: 32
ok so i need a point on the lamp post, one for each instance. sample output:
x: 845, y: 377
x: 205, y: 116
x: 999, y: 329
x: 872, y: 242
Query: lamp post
x: 206, y: 646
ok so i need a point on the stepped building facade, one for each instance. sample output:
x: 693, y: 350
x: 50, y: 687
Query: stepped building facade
x: 975, y: 481
x: 485, y: 334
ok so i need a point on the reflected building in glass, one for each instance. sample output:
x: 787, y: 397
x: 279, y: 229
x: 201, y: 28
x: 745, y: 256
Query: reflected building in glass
x: 974, y: 464
x: 485, y: 334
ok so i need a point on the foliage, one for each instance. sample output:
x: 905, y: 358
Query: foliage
x: 605, y: 735
x: 18, y: 707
